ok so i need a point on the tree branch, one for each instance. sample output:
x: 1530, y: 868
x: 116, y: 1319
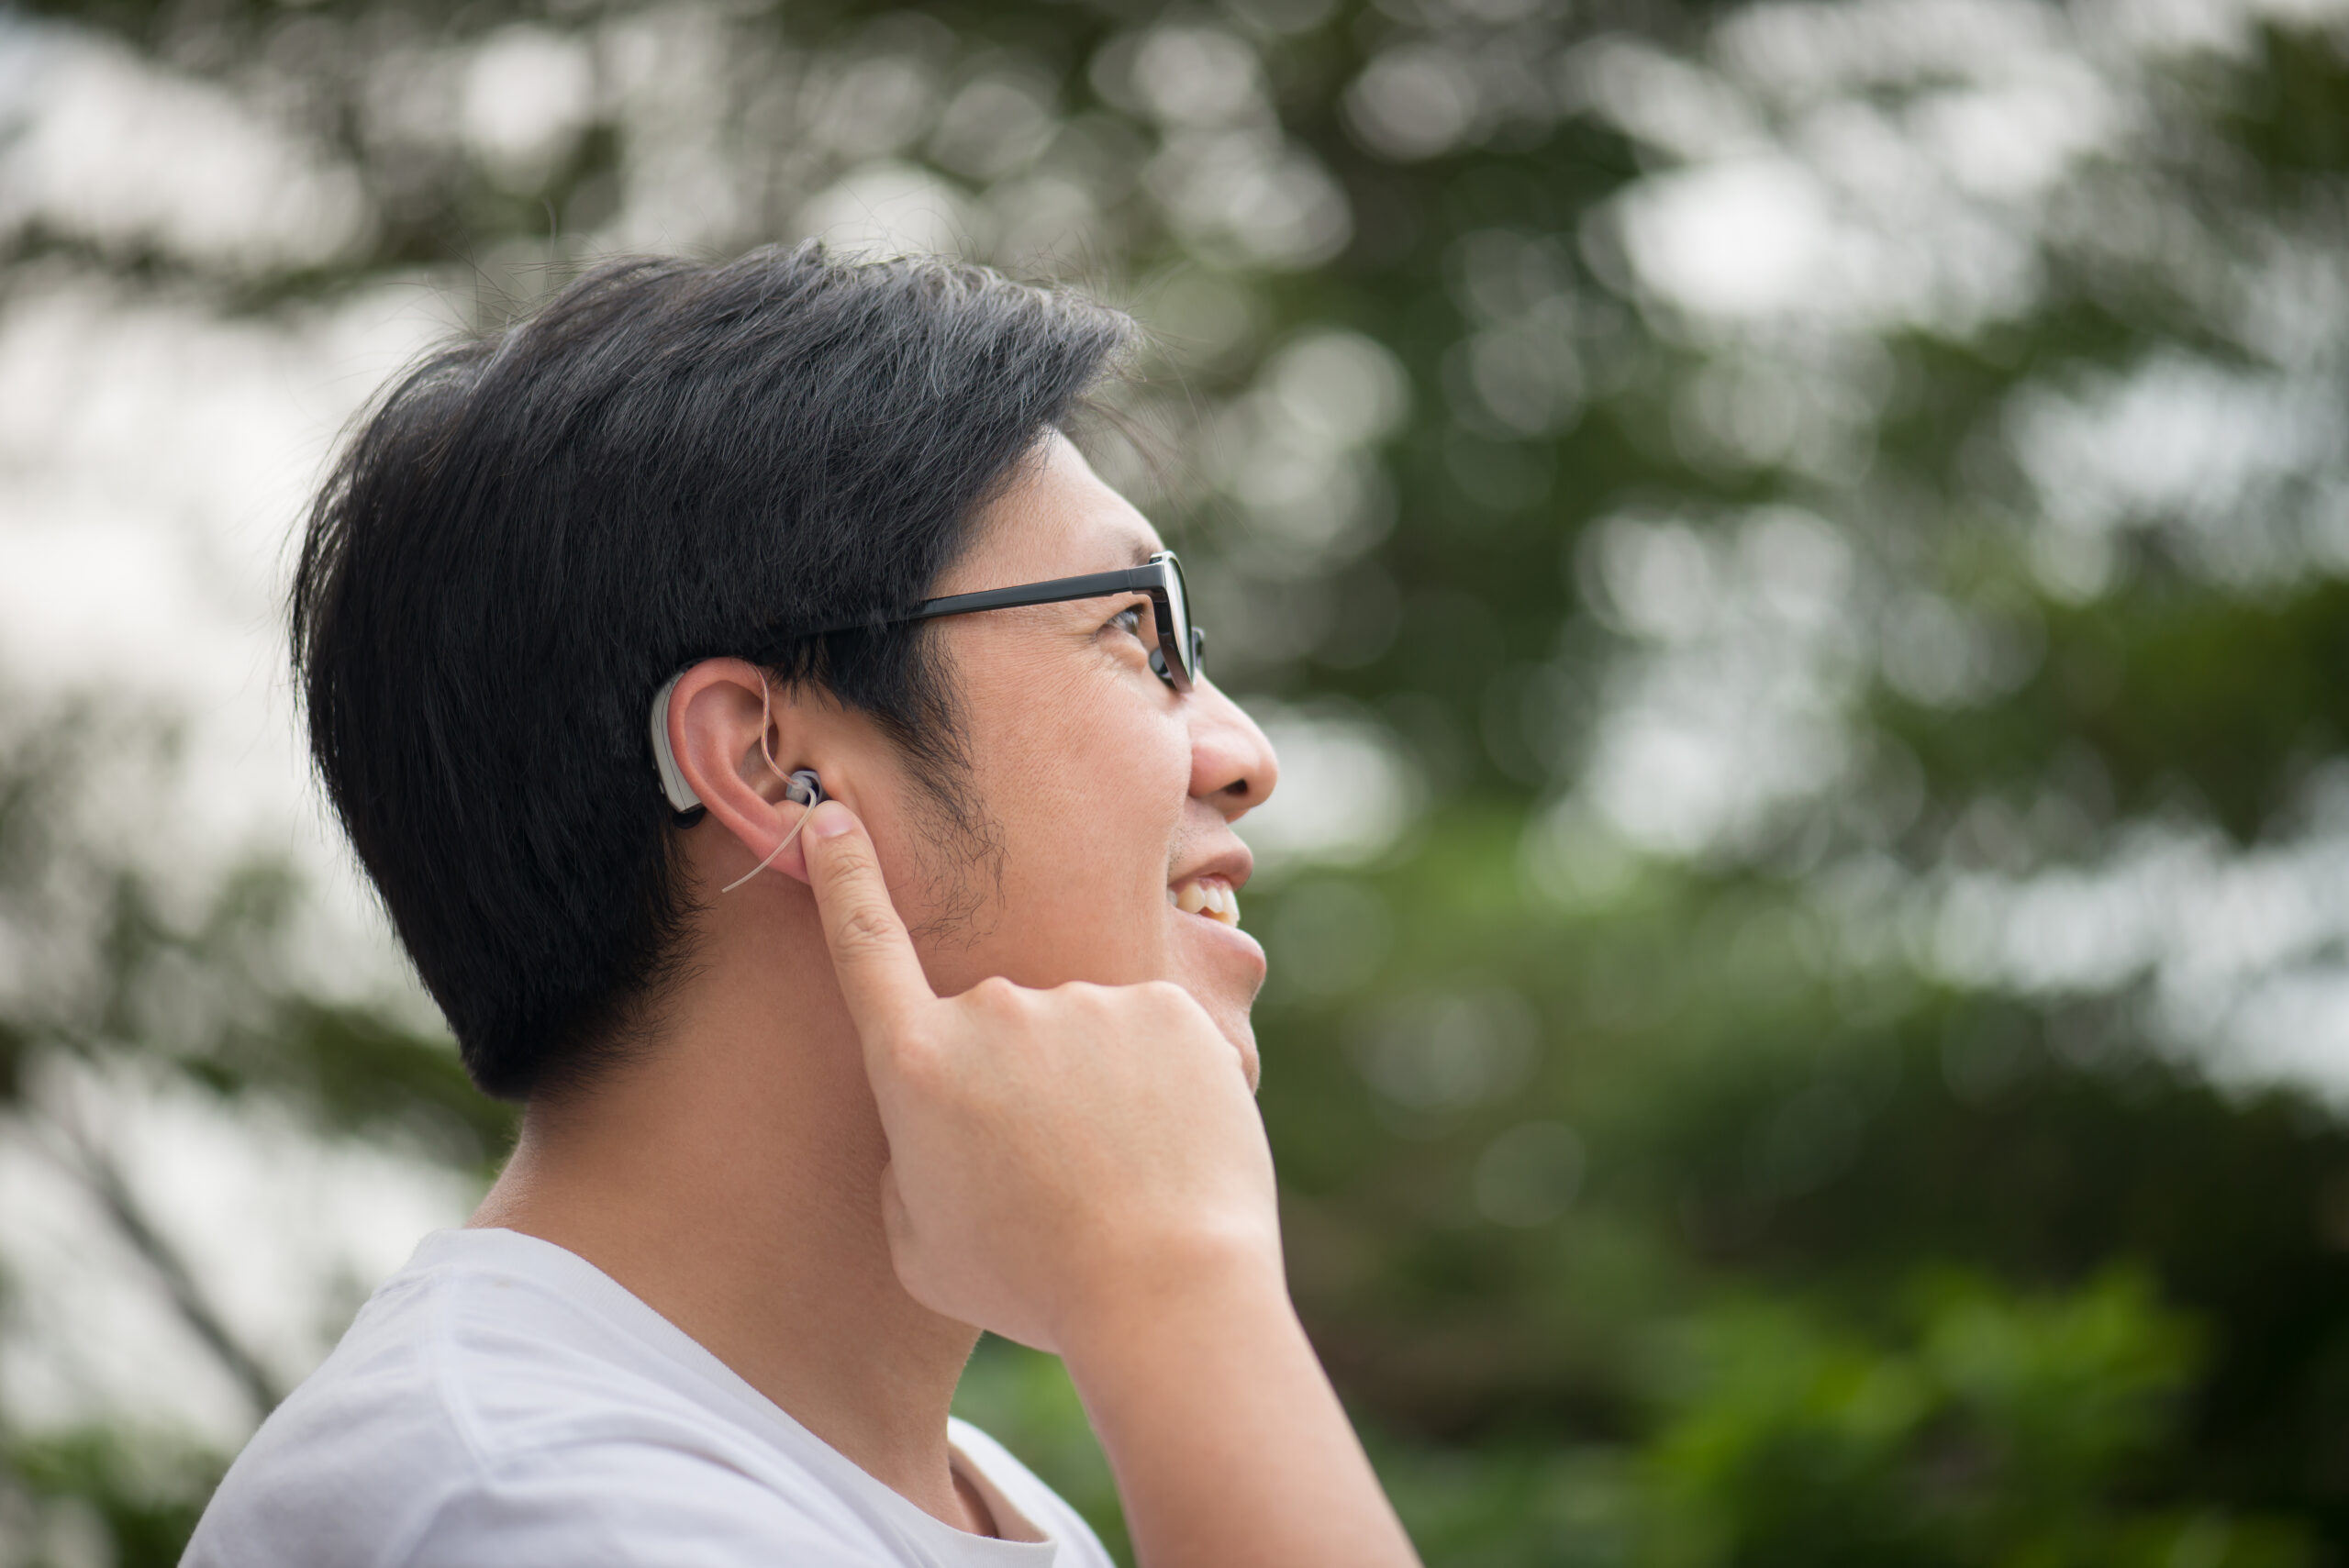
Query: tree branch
x: 104, y: 1179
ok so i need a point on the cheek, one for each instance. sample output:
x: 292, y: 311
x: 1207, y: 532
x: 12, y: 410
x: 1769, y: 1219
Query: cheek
x: 1093, y: 808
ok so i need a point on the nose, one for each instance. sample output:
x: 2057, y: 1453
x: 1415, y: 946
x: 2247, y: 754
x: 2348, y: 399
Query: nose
x: 1232, y: 765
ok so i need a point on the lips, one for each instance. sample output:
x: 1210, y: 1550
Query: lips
x: 1214, y: 898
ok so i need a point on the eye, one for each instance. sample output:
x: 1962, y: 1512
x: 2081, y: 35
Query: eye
x: 1129, y: 620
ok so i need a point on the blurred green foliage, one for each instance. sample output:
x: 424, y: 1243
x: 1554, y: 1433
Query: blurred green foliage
x: 131, y: 1499
x: 1972, y: 1424
x: 1698, y: 1146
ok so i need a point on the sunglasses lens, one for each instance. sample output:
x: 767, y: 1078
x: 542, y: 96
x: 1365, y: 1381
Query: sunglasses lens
x: 1178, y: 604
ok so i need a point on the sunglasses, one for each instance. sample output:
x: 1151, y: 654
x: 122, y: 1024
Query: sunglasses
x: 1177, y: 657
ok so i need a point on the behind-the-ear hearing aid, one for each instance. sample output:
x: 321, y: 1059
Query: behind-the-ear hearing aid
x: 800, y: 785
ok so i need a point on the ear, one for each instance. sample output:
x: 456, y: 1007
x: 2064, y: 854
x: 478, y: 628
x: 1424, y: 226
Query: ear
x: 726, y: 720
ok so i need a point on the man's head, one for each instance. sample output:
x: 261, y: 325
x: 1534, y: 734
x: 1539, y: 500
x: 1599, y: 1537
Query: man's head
x: 682, y: 467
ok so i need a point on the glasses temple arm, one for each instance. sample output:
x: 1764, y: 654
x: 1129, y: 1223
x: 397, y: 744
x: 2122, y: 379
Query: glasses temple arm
x: 1135, y: 580
x: 1132, y: 580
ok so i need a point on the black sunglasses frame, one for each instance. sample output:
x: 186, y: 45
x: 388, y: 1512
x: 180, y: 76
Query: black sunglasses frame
x: 1180, y: 643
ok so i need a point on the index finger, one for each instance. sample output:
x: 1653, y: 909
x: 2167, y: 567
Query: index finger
x: 880, y: 975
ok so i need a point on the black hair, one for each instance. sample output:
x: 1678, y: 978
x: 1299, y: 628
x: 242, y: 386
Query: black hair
x: 534, y: 528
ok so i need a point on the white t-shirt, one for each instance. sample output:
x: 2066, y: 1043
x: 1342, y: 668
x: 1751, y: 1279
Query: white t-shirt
x: 502, y: 1402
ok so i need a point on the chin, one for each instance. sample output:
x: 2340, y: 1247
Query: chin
x: 1225, y: 981
x: 1223, y: 968
x: 1241, y: 1030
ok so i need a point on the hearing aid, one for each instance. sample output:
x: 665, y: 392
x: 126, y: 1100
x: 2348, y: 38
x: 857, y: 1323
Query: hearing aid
x: 800, y: 785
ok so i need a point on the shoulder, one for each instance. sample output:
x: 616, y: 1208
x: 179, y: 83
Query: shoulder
x: 489, y: 1405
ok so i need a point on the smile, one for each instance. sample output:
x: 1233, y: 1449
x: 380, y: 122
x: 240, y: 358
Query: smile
x: 1213, y: 897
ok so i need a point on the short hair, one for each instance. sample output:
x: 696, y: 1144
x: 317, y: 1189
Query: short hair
x: 535, y: 528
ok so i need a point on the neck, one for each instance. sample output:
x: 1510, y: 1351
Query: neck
x: 730, y: 1178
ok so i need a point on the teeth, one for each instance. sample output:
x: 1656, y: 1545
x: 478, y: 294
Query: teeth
x: 1213, y: 899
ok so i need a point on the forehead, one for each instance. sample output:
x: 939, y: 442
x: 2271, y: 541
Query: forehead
x: 1057, y: 520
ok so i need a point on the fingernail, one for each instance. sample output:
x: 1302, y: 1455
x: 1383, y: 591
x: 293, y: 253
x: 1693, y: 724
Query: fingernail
x: 828, y: 820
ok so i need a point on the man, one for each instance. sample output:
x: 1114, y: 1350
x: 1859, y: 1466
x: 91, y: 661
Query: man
x: 812, y: 1095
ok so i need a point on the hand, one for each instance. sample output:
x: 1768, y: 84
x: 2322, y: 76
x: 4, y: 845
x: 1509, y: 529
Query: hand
x: 1056, y: 1157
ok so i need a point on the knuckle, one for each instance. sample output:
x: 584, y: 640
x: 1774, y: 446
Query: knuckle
x: 1164, y: 995
x: 1100, y: 1004
x: 995, y: 990
x: 845, y: 858
x: 919, y: 1059
x: 863, y: 929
